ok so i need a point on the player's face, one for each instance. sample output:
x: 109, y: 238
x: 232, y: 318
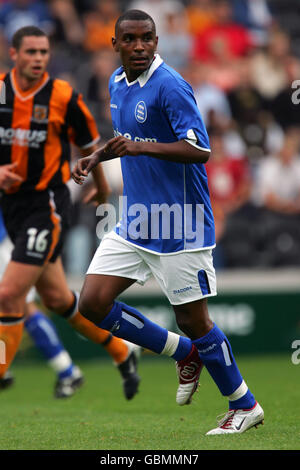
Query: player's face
x: 136, y: 43
x: 32, y: 58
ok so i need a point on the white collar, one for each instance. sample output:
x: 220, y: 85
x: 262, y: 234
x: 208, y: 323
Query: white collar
x: 145, y: 76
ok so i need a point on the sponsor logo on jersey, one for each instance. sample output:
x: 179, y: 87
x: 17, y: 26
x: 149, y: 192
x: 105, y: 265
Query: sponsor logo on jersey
x: 136, y: 138
x: 22, y: 137
x: 141, y: 112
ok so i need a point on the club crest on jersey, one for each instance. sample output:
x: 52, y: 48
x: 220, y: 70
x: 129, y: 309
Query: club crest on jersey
x: 39, y: 113
x: 141, y: 112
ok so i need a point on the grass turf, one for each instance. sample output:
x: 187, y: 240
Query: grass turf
x: 98, y: 417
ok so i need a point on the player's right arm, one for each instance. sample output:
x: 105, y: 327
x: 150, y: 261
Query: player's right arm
x: 8, y: 177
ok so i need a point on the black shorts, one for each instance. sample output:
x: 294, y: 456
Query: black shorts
x: 37, y: 223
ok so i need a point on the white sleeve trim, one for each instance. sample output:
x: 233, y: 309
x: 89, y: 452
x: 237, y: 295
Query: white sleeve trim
x: 192, y: 142
x: 90, y: 144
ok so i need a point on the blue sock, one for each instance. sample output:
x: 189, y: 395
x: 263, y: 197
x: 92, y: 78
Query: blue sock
x: 128, y: 323
x: 216, y: 354
x: 45, y: 337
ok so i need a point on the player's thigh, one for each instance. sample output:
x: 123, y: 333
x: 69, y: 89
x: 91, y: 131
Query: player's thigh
x: 115, y: 266
x: 186, y: 277
x: 6, y: 248
x: 53, y: 287
x: 16, y: 282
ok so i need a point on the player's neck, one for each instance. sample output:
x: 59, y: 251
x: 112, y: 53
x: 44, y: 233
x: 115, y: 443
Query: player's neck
x: 25, y: 84
x: 133, y: 75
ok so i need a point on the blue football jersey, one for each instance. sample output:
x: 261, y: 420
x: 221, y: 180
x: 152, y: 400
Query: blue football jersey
x: 166, y: 205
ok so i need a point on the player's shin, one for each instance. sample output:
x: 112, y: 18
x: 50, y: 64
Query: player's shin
x: 45, y: 337
x: 11, y: 330
x: 128, y: 323
x: 115, y: 347
x: 216, y: 354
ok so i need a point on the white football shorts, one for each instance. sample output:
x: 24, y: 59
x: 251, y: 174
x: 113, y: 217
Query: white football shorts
x: 6, y: 248
x: 183, y: 277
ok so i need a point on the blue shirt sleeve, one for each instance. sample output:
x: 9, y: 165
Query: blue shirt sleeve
x: 182, y: 112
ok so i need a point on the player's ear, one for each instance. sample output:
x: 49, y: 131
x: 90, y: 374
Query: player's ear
x: 114, y: 44
x: 13, y: 53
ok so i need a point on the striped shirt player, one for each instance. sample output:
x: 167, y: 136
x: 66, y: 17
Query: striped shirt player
x: 36, y: 131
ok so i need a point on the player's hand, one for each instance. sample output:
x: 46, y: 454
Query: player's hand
x: 84, y: 166
x: 121, y: 146
x: 8, y: 177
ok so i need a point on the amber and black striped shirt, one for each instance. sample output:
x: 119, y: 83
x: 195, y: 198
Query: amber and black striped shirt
x: 37, y: 128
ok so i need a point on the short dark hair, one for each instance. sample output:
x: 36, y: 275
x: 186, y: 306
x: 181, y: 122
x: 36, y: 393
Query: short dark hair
x: 135, y: 15
x: 24, y: 32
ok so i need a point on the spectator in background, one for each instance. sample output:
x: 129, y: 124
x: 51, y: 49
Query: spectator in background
x: 255, y: 15
x: 18, y: 13
x: 225, y: 40
x: 277, y: 193
x: 214, y: 107
x: 68, y: 27
x: 175, y: 41
x: 99, y: 25
x: 159, y: 11
x: 285, y: 105
x: 248, y: 108
x: 92, y: 79
x: 200, y: 16
x: 286, y: 14
x: 270, y: 67
x: 229, y: 182
x: 246, y: 103
x: 211, y: 100
x: 66, y: 39
x: 278, y: 178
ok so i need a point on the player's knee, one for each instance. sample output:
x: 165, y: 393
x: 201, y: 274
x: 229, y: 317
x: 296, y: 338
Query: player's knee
x: 184, y: 324
x: 93, y: 306
x: 193, y: 326
x: 54, y: 301
x: 9, y: 299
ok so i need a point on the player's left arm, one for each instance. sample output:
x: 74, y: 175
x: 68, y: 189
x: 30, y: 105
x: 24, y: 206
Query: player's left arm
x: 181, y: 151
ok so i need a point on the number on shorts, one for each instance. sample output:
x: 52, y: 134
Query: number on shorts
x: 37, y: 241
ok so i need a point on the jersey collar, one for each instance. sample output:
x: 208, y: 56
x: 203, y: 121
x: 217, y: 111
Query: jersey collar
x: 145, y: 76
x: 25, y: 95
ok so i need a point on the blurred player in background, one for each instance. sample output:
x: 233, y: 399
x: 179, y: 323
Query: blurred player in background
x: 163, y: 144
x: 39, y: 120
x: 43, y: 334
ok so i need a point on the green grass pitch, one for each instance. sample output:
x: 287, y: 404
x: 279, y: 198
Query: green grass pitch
x: 99, y: 418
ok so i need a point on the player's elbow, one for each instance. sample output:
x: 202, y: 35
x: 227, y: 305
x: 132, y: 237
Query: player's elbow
x: 196, y: 154
x: 204, y: 156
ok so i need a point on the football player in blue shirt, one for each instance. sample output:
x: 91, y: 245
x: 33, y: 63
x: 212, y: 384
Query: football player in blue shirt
x: 167, y: 227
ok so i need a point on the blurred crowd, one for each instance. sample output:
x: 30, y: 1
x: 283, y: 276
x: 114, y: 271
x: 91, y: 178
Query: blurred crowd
x: 242, y: 58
